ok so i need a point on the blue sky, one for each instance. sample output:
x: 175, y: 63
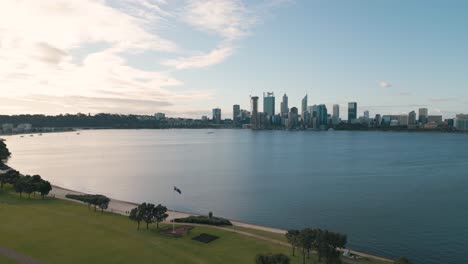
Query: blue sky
x: 186, y: 57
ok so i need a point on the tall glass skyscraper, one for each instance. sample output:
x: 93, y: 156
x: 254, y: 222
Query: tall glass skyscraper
x: 304, y: 105
x: 254, y: 122
x: 352, y: 111
x: 269, y: 103
x: 284, y: 106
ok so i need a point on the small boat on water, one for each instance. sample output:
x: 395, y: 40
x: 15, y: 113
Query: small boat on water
x: 210, y: 132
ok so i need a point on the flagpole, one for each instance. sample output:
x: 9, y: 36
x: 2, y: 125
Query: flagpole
x: 173, y: 211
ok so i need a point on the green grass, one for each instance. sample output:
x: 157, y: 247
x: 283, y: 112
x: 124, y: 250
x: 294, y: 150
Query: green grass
x: 57, y: 231
x: 5, y: 260
x: 262, y: 233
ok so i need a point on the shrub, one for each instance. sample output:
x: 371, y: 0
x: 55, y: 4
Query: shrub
x: 272, y: 259
x: 216, y: 221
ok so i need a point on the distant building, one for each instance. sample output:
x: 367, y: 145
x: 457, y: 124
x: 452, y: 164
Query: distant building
x: 236, y: 113
x: 395, y: 120
x: 284, y: 106
x: 7, y: 128
x: 461, y: 122
x: 322, y: 116
x: 366, y: 114
x: 23, y: 128
x: 269, y: 103
x: 336, y: 114
x: 435, y: 119
x: 254, y: 122
x: 217, y: 116
x: 352, y: 111
x: 412, y: 118
x: 378, y: 120
x: 336, y: 110
x: 292, y: 117
x: 160, y: 116
x: 423, y: 113
x: 304, y: 105
x: 204, y: 118
x: 403, y: 120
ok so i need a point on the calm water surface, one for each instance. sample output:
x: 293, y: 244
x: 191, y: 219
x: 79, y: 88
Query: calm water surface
x: 394, y: 194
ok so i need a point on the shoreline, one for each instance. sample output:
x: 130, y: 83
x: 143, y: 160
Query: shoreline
x: 123, y: 207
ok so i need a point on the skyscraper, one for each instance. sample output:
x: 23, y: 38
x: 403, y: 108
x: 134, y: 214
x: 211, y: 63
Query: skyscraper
x: 216, y: 115
x: 423, y: 114
x: 322, y: 116
x: 336, y: 111
x: 366, y: 114
x: 236, y: 113
x: 284, y: 106
x: 352, y: 111
x: 304, y: 105
x: 412, y: 118
x: 254, y: 115
x: 269, y: 103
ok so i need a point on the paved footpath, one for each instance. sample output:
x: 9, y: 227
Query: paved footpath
x: 20, y: 258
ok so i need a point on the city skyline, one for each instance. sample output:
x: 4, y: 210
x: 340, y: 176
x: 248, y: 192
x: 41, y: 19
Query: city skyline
x: 182, y: 59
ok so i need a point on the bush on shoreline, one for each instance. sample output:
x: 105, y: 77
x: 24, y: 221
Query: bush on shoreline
x: 205, y: 220
x: 96, y: 200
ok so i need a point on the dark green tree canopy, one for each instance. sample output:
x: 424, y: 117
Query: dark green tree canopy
x: 272, y: 259
x: 4, y: 152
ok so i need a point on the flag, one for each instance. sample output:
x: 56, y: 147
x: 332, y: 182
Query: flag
x: 177, y: 190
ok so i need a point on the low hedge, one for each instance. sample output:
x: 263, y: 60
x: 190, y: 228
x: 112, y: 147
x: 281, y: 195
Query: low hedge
x: 205, y: 220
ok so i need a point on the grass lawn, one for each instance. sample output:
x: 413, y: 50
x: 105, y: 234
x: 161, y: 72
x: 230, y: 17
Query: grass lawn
x: 5, y: 260
x: 57, y: 231
x: 262, y: 233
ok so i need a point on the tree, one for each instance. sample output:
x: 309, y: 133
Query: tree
x: 20, y: 185
x: 402, y: 260
x: 148, y: 213
x: 36, y: 181
x: 4, y: 152
x: 29, y: 186
x: 272, y: 259
x: 136, y: 214
x: 10, y: 177
x: 327, y: 243
x: 44, y: 188
x: 103, y: 202
x: 160, y: 214
x: 306, y: 240
x: 293, y: 238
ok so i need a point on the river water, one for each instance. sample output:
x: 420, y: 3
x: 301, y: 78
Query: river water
x: 393, y: 194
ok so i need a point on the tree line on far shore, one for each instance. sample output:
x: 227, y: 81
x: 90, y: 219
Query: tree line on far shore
x: 25, y: 184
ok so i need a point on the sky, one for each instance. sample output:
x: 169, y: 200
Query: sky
x: 185, y: 57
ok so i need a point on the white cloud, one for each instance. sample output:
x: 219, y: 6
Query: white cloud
x: 201, y: 60
x: 68, y: 51
x: 384, y: 84
x: 36, y: 40
x: 227, y: 18
x: 231, y: 20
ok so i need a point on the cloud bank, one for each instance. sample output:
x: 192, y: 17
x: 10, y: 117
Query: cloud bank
x: 46, y: 64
